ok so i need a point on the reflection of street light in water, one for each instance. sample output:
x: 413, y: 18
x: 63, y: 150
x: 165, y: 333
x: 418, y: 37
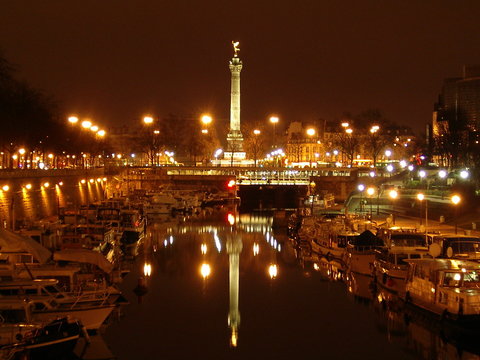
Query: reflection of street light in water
x: 273, y: 271
x: 203, y: 248
x: 205, y: 270
x: 256, y: 249
x: 147, y: 269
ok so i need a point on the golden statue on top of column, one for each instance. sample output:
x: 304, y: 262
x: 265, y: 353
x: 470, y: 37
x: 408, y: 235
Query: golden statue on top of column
x: 236, y: 49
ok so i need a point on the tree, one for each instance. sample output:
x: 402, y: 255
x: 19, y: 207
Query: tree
x: 348, y: 144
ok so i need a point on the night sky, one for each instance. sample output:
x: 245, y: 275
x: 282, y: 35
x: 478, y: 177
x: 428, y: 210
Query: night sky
x: 115, y: 60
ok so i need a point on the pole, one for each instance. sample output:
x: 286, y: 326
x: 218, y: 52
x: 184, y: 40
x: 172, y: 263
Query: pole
x: 426, y: 220
x: 455, y: 219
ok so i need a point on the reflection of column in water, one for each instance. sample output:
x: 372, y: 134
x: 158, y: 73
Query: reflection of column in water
x: 234, y: 248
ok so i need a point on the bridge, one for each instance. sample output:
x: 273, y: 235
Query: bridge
x: 245, y: 175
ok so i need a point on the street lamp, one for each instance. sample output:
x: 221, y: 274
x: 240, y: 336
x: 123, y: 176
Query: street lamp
x: 370, y: 193
x: 86, y: 124
x: 361, y: 188
x: 455, y: 201
x: 206, y: 119
x: 274, y: 120
x: 256, y: 132
x: 147, y: 120
x: 393, y: 194
x: 310, y: 132
x: 73, y: 120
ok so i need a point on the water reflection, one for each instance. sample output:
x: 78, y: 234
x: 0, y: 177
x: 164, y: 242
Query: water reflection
x: 307, y: 304
x: 234, y: 248
x: 414, y: 331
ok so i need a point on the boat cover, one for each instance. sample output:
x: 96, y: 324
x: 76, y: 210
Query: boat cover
x: 84, y: 256
x: 11, y: 242
x: 367, y: 238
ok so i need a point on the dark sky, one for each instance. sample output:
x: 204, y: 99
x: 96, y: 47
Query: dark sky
x: 115, y: 60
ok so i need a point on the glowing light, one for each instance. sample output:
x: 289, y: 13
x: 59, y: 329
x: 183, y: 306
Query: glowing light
x: 94, y: 128
x: 345, y: 124
x: 46, y: 184
x: 256, y: 132
x: 147, y: 269
x: 101, y: 133
x: 231, y: 219
x: 410, y: 167
x: 104, y: 179
x: 274, y: 119
x: 464, y: 174
x: 204, y: 131
x: 28, y: 186
x: 442, y: 174
x: 456, y: 199
x: 393, y: 194
x: 422, y: 173
x: 389, y: 167
x: 83, y: 181
x: 361, y: 187
x: 60, y: 183
x: 273, y: 271
x: 206, y: 119
x: 310, y: 131
x: 231, y: 183
x: 388, y: 153
x: 99, y: 180
x: 403, y: 164
x: 203, y: 248
x: 50, y: 156
x: 370, y: 191
x: 256, y: 249
x: 457, y: 277
x: 21, y: 151
x: 5, y: 187
x: 372, y: 174
x: 147, y: 120
x: 72, y: 119
x: 91, y: 181
x: 420, y: 196
x: 349, y: 131
x: 205, y: 270
x: 86, y: 124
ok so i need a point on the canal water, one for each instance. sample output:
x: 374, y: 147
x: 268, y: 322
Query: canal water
x: 215, y: 289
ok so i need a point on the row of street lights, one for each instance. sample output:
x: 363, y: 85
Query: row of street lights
x: 393, y: 194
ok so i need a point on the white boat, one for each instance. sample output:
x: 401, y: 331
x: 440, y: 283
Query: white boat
x: 463, y: 247
x: 449, y: 289
x: 50, y: 303
x: 361, y: 253
x: 391, y: 262
x: 20, y: 335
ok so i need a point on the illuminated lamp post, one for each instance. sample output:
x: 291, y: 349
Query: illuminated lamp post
x: 455, y: 201
x: 311, y: 133
x: 393, y: 194
x: 370, y: 193
x: 73, y: 119
x: 274, y: 120
x: 256, y: 132
x: 312, y: 194
x: 361, y: 189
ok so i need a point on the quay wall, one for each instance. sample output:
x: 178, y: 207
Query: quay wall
x: 36, y: 194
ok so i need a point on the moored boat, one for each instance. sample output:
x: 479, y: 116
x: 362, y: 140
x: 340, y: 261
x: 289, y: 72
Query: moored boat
x: 449, y: 289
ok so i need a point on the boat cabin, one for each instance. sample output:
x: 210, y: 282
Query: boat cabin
x: 445, y: 286
x: 458, y: 246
